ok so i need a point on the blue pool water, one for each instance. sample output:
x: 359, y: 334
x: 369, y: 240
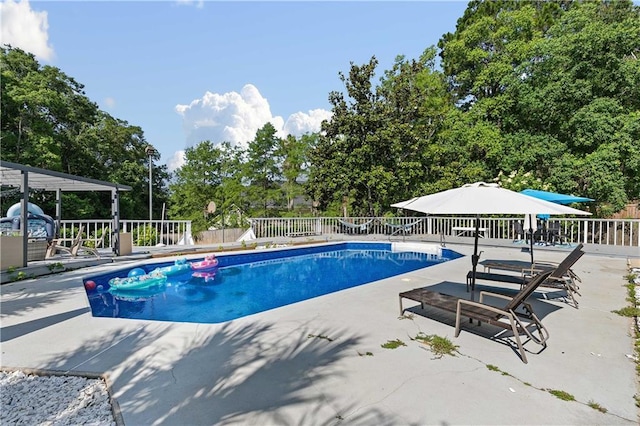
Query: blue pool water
x: 245, y: 284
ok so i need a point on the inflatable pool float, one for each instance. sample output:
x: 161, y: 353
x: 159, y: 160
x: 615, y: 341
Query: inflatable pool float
x: 180, y: 266
x: 138, y: 282
x: 209, y: 261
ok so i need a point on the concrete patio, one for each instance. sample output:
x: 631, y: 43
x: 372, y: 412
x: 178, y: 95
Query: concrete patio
x: 308, y: 363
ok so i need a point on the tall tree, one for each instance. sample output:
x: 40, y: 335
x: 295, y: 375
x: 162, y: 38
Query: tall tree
x: 43, y: 110
x: 349, y: 150
x: 294, y: 153
x: 262, y: 172
x: 375, y: 149
x: 48, y: 122
x: 558, y: 80
x: 210, y: 173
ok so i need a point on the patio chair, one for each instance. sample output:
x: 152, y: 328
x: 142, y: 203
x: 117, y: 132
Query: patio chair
x: 555, y: 234
x: 519, y: 232
x: 562, y: 276
x: 77, y: 246
x: 515, y: 315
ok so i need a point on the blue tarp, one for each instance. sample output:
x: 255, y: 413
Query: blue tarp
x: 555, y: 197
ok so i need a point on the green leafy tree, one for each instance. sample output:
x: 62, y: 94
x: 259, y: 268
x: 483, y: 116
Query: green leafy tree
x: 416, y: 106
x: 294, y: 153
x: 347, y: 159
x: 48, y: 122
x: 210, y: 173
x: 43, y: 111
x: 262, y: 172
x: 559, y: 81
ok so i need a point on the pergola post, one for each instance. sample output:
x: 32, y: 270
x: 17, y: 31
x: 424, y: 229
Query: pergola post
x: 58, y: 210
x: 115, y: 215
x: 24, y: 216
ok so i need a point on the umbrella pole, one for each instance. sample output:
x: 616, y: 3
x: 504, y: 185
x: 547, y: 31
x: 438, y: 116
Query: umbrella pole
x: 531, y: 239
x: 474, y: 258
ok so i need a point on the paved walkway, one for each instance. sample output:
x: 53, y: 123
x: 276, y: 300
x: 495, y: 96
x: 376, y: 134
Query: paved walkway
x: 309, y: 363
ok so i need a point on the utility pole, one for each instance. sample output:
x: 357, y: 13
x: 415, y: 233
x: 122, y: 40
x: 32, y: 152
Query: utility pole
x: 150, y: 151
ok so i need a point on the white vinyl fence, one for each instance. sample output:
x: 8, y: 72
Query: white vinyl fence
x: 618, y: 232
x: 98, y: 232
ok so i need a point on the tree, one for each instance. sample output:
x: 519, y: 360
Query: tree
x: 376, y: 149
x: 294, y: 153
x: 559, y: 81
x: 347, y: 162
x: 48, y: 122
x: 262, y: 172
x: 210, y: 173
x: 43, y: 110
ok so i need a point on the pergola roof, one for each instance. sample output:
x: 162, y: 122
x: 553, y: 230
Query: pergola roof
x: 48, y: 180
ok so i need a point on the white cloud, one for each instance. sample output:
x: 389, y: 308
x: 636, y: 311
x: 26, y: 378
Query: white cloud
x: 176, y: 161
x: 300, y: 123
x: 235, y: 117
x: 25, y: 28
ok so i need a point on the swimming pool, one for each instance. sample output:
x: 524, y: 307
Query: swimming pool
x: 248, y: 283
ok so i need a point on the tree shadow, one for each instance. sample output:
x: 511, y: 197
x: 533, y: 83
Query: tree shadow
x: 538, y: 302
x: 22, y: 297
x: 234, y: 374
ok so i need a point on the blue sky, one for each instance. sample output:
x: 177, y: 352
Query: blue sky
x: 186, y: 71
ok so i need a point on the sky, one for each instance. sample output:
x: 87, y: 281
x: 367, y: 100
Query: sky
x: 187, y: 71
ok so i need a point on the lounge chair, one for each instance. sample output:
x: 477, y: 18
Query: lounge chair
x: 523, y: 266
x: 515, y: 315
x: 562, y: 276
x: 77, y: 246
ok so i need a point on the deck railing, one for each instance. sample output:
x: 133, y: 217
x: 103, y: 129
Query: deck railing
x: 617, y: 232
x: 97, y: 232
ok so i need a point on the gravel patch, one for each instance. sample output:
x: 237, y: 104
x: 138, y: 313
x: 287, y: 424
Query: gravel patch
x: 29, y: 399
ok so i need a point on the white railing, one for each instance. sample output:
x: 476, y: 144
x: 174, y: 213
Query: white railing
x: 617, y: 232
x: 97, y: 232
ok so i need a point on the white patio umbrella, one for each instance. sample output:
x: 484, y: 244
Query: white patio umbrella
x: 482, y: 198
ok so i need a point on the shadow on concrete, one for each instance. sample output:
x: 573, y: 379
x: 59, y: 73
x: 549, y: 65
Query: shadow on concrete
x: 236, y: 374
x: 23, y: 297
x: 499, y: 335
x: 18, y: 330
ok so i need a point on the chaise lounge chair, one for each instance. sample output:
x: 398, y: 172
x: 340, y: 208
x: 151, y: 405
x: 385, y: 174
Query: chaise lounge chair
x: 515, y: 315
x: 77, y: 246
x: 562, y: 277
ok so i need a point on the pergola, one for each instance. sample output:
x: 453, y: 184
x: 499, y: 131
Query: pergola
x: 26, y: 177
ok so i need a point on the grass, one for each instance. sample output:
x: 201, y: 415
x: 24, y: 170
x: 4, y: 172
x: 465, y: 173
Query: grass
x: 560, y: 394
x: 439, y: 346
x: 393, y: 344
x: 632, y: 311
x: 597, y: 406
x: 565, y: 396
